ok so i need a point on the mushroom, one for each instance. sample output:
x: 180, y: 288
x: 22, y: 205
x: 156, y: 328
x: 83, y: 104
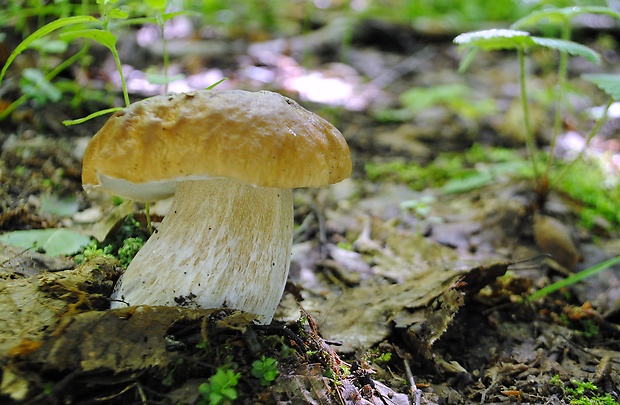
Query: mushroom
x: 231, y: 159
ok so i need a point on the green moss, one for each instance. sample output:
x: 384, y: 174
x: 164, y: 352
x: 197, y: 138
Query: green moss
x: 586, y: 183
x: 130, y: 247
x: 452, y: 171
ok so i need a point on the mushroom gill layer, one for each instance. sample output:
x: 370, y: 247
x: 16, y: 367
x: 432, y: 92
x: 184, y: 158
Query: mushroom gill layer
x: 223, y: 243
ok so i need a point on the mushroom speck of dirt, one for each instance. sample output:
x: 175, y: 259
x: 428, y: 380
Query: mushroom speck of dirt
x: 231, y: 159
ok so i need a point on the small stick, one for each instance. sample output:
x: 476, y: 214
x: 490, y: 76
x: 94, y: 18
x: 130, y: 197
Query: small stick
x: 416, y: 394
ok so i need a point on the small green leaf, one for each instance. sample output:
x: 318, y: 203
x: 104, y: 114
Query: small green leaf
x: 497, y: 39
x: 35, y: 85
x: 105, y: 38
x: 211, y: 87
x: 609, y: 83
x: 570, y: 47
x: 118, y: 14
x: 43, y: 31
x: 574, y: 278
x: 561, y: 15
x: 50, y: 46
x: 169, y: 16
x: 54, y: 241
x: 472, y: 181
x: 494, y: 39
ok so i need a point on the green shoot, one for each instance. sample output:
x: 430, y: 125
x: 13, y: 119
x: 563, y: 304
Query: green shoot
x: 562, y: 17
x: 221, y: 388
x: 522, y: 42
x: 266, y: 369
x: 78, y: 27
x: 573, y: 279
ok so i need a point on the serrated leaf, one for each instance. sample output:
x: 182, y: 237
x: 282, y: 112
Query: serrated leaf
x: 43, y: 31
x: 494, y: 39
x: 55, y: 242
x: 497, y: 39
x: 609, y: 83
x: 562, y: 15
x: 105, y: 38
x: 570, y: 47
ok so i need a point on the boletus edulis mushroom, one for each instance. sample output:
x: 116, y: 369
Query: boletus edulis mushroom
x: 231, y: 159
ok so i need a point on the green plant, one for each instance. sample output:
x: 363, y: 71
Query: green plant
x: 221, y: 388
x: 266, y: 368
x: 452, y: 172
x: 582, y: 392
x: 93, y: 249
x: 130, y: 247
x: 563, y: 17
x: 421, y: 208
x: 155, y: 14
x: 523, y: 42
x: 456, y: 97
x: 37, y: 84
x: 572, y: 279
x: 80, y: 26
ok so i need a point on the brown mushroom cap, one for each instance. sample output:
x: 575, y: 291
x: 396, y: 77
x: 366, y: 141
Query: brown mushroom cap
x: 260, y: 138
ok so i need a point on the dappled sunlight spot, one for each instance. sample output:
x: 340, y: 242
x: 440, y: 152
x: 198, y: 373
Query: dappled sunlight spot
x: 138, y: 81
x: 315, y: 87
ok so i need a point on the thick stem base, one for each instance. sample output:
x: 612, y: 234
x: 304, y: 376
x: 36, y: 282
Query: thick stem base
x: 222, y: 244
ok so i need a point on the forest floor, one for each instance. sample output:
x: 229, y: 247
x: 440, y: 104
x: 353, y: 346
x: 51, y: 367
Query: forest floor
x: 396, y: 295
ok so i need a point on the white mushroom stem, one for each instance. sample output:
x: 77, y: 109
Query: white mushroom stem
x: 222, y: 244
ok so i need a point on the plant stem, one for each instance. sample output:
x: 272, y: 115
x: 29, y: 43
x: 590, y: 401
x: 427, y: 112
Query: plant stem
x: 529, y: 136
x: 49, y: 76
x: 162, y: 23
x: 562, y: 73
x: 119, y: 67
x: 106, y: 22
x: 597, y: 126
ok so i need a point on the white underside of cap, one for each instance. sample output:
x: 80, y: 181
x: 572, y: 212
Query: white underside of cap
x: 142, y: 192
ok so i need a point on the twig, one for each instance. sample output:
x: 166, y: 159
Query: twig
x: 416, y: 394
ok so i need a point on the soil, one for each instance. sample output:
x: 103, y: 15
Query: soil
x: 383, y: 305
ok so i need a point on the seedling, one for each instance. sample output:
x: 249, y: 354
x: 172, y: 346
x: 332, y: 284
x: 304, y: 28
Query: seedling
x: 573, y: 279
x: 266, y: 369
x: 38, y: 85
x: 523, y: 42
x: 221, y: 388
x: 93, y: 249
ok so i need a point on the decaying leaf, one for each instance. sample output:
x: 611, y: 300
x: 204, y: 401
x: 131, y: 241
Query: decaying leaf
x: 30, y: 306
x: 18, y: 262
x: 426, y: 296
